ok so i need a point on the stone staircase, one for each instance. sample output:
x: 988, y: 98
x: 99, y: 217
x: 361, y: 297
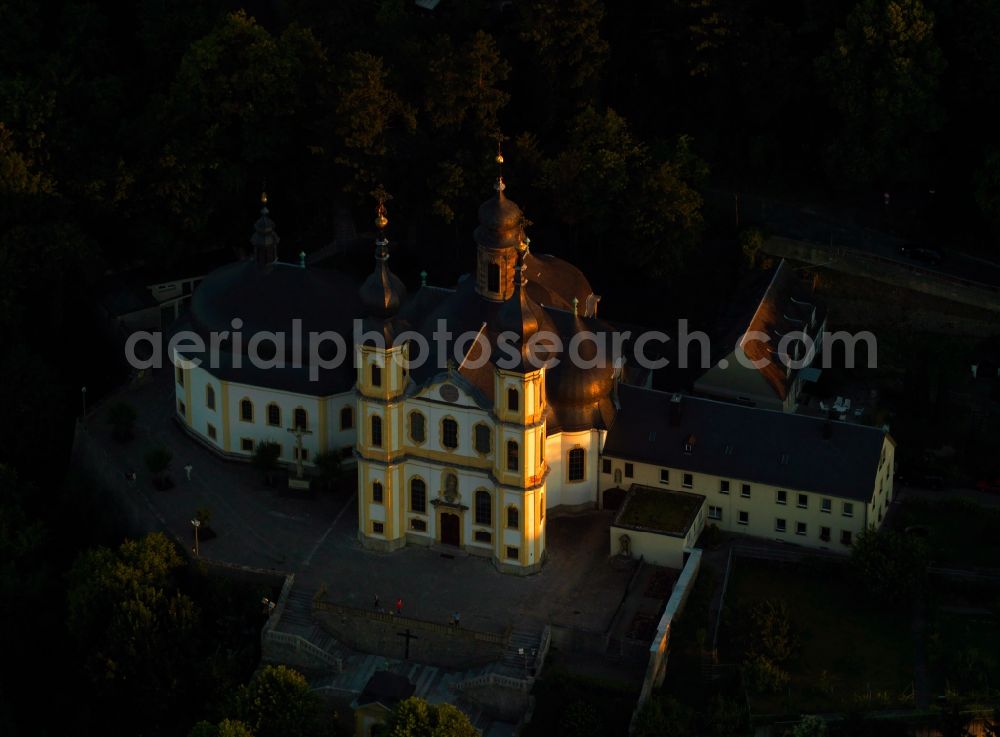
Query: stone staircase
x: 297, y: 622
x: 519, y: 655
x: 435, y: 685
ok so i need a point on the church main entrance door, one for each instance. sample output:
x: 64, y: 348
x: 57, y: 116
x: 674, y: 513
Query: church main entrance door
x: 449, y: 529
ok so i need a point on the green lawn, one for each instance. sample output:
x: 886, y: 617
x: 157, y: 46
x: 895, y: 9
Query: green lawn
x: 666, y: 511
x: 848, y: 645
x: 960, y: 533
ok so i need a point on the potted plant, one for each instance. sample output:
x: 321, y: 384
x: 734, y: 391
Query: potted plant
x: 265, y: 457
x: 328, y: 467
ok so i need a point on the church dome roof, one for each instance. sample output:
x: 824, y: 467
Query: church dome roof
x: 382, y: 292
x: 500, y: 222
x: 587, y: 377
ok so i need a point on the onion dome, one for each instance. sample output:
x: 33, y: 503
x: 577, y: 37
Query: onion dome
x: 264, y: 239
x: 383, y: 292
x: 584, y: 376
x: 500, y: 221
x: 524, y: 317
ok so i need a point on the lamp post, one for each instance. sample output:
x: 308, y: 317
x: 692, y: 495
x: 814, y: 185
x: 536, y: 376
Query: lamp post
x: 195, y: 523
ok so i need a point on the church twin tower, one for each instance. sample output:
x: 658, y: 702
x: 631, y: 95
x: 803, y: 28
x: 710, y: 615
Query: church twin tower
x: 455, y: 454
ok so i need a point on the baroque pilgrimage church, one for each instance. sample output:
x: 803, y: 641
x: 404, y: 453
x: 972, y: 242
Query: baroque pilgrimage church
x: 477, y: 452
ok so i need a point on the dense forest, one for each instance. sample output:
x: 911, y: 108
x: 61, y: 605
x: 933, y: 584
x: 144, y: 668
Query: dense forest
x: 141, y: 133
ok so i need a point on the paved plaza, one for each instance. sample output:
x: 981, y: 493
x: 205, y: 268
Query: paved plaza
x: 315, y: 538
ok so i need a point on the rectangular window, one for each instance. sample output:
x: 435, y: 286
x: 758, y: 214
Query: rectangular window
x: 378, y: 528
x: 418, y: 525
x: 688, y: 480
x: 848, y: 509
x: 781, y: 497
x: 825, y: 505
x: 181, y: 409
x: 664, y: 475
x: 744, y: 518
x: 800, y: 528
x: 824, y: 534
x: 211, y: 431
x: 779, y: 525
x: 483, y: 536
x: 606, y: 465
x: 723, y: 486
x: 513, y: 552
x: 845, y: 537
x: 745, y: 491
x: 714, y: 512
x: 576, y: 463
x: 246, y: 445
x: 180, y: 376
x: 629, y: 471
x: 803, y: 502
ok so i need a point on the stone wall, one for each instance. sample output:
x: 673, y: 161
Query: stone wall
x: 433, y: 643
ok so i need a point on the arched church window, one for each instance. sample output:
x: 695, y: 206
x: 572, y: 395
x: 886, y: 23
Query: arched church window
x: 483, y: 438
x: 513, y: 399
x: 449, y: 433
x: 576, y: 464
x: 493, y: 277
x: 484, y: 508
x: 418, y: 430
x: 418, y: 495
x: 513, y: 461
x: 376, y: 375
x: 376, y: 431
x: 274, y: 415
x: 346, y: 418
x: 513, y: 518
x: 246, y: 410
x: 210, y: 396
x: 301, y: 418
x: 377, y: 492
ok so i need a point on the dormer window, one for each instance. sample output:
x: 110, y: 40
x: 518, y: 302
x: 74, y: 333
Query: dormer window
x: 689, y: 444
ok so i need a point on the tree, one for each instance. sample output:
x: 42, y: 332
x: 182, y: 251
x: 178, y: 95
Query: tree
x: 328, y: 465
x: 225, y: 728
x: 893, y: 565
x: 265, y: 458
x: 135, y: 629
x: 121, y: 417
x: 278, y: 702
x: 371, y: 117
x: 987, y: 188
x: 882, y: 74
x: 810, y: 726
x: 665, y: 716
x: 726, y: 718
x: 464, y: 85
x: 414, y: 717
x: 566, y: 39
x: 606, y: 181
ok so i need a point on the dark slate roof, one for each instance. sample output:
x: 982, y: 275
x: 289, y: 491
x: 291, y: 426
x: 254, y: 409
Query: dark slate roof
x: 746, y: 443
x: 386, y: 688
x: 269, y: 299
